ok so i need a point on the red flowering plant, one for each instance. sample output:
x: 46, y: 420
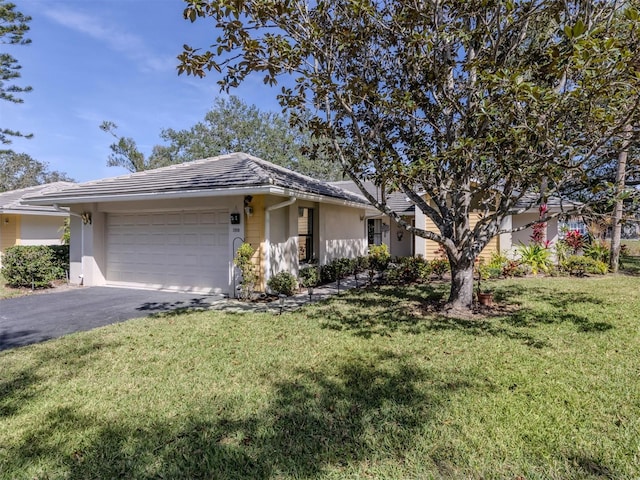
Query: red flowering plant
x: 540, y: 229
x: 574, y: 240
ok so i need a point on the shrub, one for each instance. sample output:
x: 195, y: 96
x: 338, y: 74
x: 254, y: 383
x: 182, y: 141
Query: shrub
x: 439, y: 266
x: 283, y: 283
x: 379, y: 257
x: 512, y: 269
x: 597, y: 250
x: 328, y: 273
x: 578, y: 265
x: 498, y: 260
x: 536, y: 257
x: 562, y: 251
x: 309, y: 276
x: 414, y: 269
x: 344, y: 267
x: 34, y: 266
x: 361, y: 264
x: 574, y: 240
x: 337, y: 269
x: 60, y: 256
x: 243, y: 260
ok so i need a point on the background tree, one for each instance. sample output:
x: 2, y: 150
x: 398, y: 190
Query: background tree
x: 19, y: 170
x: 234, y: 126
x: 13, y: 27
x: 230, y: 126
x: 126, y: 154
x: 472, y: 103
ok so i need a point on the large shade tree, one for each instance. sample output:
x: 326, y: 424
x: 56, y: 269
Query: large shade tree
x: 463, y: 106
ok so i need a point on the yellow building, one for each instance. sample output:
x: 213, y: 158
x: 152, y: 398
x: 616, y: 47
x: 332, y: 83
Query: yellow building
x: 30, y: 225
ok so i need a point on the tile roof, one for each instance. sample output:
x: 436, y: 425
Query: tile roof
x: 11, y: 200
x: 531, y: 201
x: 397, y: 201
x: 235, y: 170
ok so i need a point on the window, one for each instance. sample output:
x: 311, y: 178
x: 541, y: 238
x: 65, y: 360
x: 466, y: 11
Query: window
x: 305, y: 234
x: 374, y: 231
x: 573, y: 224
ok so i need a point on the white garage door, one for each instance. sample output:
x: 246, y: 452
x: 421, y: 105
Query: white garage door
x: 174, y: 250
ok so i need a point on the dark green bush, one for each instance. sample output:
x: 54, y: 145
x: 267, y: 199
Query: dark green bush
x: 328, y: 273
x: 309, y: 276
x: 408, y: 270
x: 35, y: 265
x: 283, y: 283
x: 337, y: 269
x: 439, y: 266
x: 379, y: 257
x: 361, y: 264
x: 578, y: 265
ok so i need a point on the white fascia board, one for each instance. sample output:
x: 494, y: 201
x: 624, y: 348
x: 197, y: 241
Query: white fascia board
x: 227, y: 192
x: 314, y: 197
x: 72, y: 200
x: 47, y: 213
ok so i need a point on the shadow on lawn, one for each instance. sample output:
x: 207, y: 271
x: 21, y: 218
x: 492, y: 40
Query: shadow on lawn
x: 359, y: 412
x: 370, y: 409
x: 384, y: 311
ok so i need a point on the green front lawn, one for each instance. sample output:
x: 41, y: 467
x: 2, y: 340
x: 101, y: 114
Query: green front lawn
x: 366, y: 385
x: 8, y: 292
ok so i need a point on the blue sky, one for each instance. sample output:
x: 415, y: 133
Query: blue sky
x: 96, y: 60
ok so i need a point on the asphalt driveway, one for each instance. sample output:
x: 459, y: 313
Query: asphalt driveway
x: 35, y: 318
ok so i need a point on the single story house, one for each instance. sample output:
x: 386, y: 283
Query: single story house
x: 179, y: 227
x: 383, y: 229
x: 22, y: 224
x: 380, y: 228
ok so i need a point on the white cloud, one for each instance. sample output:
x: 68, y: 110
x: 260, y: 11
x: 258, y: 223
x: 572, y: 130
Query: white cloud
x: 128, y: 44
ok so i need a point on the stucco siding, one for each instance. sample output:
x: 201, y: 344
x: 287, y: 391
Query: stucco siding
x: 9, y: 229
x: 41, y: 230
x: 342, y: 233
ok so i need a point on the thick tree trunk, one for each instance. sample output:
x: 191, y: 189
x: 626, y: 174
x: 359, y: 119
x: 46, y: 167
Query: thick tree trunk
x: 461, y: 295
x: 616, y: 232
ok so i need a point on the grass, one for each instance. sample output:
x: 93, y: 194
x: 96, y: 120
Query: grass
x: 8, y: 292
x: 366, y: 385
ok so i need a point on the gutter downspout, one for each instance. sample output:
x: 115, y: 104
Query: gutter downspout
x: 59, y: 209
x: 267, y: 234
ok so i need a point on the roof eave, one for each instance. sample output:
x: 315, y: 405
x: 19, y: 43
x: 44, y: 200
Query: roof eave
x: 172, y: 195
x: 32, y: 211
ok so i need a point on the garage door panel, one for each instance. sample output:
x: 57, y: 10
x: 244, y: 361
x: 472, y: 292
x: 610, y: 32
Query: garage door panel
x: 183, y: 251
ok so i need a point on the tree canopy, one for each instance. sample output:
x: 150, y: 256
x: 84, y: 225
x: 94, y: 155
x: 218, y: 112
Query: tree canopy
x: 463, y: 106
x: 13, y: 28
x: 19, y: 170
x: 230, y: 126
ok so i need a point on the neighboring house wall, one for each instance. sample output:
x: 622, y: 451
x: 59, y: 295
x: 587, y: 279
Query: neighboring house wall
x: 400, y: 247
x: 41, y: 230
x: 385, y: 231
x: 429, y: 249
x: 283, y: 255
x: 9, y: 231
x: 523, y: 237
x: 341, y: 233
x: 29, y: 230
x: 9, y: 228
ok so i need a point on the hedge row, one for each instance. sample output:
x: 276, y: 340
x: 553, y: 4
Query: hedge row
x: 35, y: 266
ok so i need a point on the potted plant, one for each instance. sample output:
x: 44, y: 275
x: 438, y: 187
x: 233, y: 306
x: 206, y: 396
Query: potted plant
x: 485, y: 297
